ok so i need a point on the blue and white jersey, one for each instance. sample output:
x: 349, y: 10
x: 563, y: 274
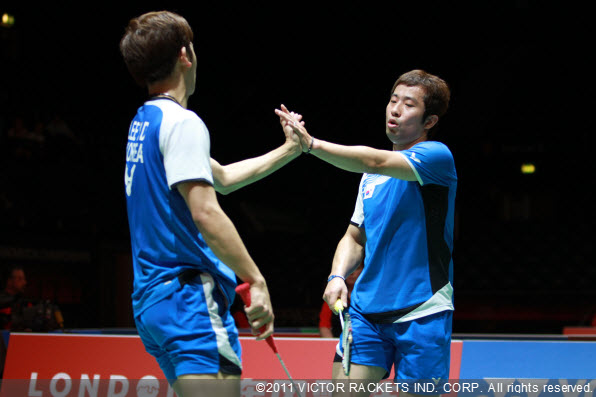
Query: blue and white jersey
x: 408, y: 268
x: 167, y: 145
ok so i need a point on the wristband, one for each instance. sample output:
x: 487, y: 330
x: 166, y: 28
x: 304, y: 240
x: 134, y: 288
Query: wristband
x: 335, y: 275
x: 312, y: 140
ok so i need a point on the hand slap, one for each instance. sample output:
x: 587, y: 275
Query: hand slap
x: 295, y: 121
x: 291, y: 136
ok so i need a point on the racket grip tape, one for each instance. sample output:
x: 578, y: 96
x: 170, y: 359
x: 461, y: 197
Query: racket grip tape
x: 339, y: 306
x: 244, y: 291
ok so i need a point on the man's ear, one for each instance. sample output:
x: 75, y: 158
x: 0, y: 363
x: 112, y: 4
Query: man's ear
x: 184, y: 57
x: 431, y: 121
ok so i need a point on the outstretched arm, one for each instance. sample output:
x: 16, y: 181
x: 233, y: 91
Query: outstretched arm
x: 231, y: 177
x: 360, y: 159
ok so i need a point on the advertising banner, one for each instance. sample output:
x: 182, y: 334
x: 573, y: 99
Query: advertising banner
x: 52, y: 365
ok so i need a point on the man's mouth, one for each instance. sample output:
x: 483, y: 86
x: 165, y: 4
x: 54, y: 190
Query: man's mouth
x: 391, y: 123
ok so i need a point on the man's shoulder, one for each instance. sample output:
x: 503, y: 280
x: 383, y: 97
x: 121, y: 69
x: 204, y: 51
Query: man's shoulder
x: 178, y: 113
x: 432, y: 150
x: 431, y: 145
x: 177, y: 119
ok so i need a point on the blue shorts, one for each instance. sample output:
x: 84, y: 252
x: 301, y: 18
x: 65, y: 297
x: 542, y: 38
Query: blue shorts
x: 419, y: 349
x: 192, y: 331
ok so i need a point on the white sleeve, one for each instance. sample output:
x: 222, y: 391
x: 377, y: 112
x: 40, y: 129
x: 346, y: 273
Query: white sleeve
x: 358, y: 216
x: 185, y: 148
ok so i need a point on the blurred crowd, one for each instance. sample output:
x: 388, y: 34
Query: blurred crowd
x: 37, y: 171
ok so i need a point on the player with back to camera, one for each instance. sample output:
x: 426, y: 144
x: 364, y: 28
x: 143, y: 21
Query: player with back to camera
x: 401, y: 305
x: 186, y: 251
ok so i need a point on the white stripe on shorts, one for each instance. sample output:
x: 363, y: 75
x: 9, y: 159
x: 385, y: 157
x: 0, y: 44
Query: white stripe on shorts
x: 223, y: 341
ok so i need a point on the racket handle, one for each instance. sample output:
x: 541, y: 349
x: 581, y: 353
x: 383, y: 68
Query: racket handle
x: 339, y: 306
x: 244, y: 291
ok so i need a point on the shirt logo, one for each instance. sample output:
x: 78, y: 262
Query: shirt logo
x: 413, y: 157
x: 128, y: 179
x: 368, y: 191
x: 370, y: 182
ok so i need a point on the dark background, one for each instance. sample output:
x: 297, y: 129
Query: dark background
x: 522, y: 85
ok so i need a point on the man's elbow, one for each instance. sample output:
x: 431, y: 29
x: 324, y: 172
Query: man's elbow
x: 383, y: 166
x: 374, y: 164
x: 204, y: 215
x: 223, y: 183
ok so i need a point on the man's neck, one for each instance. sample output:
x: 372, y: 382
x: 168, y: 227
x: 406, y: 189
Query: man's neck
x: 170, y: 89
x: 407, y: 146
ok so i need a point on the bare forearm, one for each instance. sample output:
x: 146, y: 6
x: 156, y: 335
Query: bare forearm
x: 348, y: 256
x: 223, y: 239
x: 225, y: 242
x: 358, y: 159
x: 234, y: 176
x: 363, y: 159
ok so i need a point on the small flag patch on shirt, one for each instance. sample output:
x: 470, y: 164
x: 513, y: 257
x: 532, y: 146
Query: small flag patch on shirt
x: 368, y: 192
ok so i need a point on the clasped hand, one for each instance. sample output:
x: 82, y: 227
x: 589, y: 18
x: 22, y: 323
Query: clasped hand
x: 292, y: 124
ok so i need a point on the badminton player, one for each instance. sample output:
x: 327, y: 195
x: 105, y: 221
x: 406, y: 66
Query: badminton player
x: 401, y: 306
x: 186, y: 251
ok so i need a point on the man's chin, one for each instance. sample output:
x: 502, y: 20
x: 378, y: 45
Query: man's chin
x: 392, y: 136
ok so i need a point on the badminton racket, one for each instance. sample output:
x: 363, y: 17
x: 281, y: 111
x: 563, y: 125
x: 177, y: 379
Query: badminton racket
x: 244, y: 291
x: 346, y: 335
